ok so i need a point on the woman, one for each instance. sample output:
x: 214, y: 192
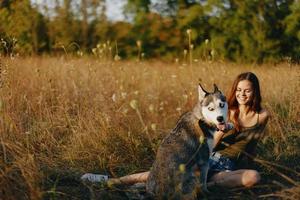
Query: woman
x: 231, y: 148
x: 249, y: 119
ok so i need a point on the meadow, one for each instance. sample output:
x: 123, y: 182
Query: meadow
x: 61, y: 117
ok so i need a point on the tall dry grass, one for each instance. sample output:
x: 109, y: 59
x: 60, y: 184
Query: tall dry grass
x: 62, y: 117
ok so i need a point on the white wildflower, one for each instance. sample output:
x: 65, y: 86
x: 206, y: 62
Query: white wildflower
x: 123, y: 95
x: 151, y: 107
x: 113, y: 97
x: 134, y: 104
x: 153, y: 126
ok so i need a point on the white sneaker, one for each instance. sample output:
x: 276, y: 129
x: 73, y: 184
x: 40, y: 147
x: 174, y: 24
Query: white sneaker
x: 95, y: 178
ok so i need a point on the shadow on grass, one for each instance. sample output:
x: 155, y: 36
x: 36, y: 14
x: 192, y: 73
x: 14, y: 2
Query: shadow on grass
x: 67, y: 185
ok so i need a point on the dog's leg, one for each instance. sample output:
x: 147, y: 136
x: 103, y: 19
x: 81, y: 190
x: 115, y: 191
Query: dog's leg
x: 203, y: 177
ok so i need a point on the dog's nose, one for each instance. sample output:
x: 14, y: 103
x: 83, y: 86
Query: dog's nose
x: 220, y: 118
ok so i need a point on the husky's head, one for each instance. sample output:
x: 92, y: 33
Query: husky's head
x: 213, y: 106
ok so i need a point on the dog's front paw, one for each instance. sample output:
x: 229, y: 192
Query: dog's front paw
x: 204, y: 189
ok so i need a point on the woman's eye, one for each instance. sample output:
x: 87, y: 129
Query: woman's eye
x: 210, y: 109
x: 222, y: 105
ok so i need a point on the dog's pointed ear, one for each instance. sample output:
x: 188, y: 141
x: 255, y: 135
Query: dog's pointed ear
x: 216, y: 89
x: 202, y: 93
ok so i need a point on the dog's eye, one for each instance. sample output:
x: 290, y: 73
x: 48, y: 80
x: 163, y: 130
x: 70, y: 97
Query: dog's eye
x: 222, y: 105
x: 211, y: 109
x: 223, y: 98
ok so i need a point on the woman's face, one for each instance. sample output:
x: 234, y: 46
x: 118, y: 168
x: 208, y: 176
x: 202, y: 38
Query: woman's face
x: 244, y: 92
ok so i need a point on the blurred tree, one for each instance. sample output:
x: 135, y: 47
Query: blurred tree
x: 5, y: 3
x: 121, y: 37
x: 248, y: 30
x: 101, y: 26
x: 292, y: 23
x: 153, y: 23
x: 153, y: 29
x: 136, y: 7
x: 166, y: 7
x: 137, y: 11
x: 92, y: 18
x: 24, y: 26
x: 97, y: 22
x: 192, y: 15
x: 84, y: 27
x: 64, y: 28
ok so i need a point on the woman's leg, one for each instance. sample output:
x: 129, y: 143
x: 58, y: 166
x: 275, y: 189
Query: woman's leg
x: 130, y: 179
x: 237, y: 178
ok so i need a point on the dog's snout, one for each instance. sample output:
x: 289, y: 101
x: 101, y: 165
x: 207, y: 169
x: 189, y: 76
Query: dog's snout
x: 220, y: 118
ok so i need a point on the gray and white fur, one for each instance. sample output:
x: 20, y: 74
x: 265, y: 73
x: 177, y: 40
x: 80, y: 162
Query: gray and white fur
x: 186, y: 148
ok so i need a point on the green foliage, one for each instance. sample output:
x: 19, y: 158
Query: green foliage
x: 292, y: 23
x: 243, y: 31
x: 138, y: 6
x: 64, y: 29
x: 22, y: 22
x: 250, y: 30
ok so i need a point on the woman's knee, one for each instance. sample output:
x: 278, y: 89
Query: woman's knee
x: 250, y: 178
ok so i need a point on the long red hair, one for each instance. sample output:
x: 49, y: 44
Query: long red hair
x: 255, y: 104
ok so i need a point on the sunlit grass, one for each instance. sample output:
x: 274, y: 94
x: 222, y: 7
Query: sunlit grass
x: 81, y: 115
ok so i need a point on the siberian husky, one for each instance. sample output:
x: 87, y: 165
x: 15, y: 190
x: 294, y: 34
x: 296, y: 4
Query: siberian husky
x: 187, y: 147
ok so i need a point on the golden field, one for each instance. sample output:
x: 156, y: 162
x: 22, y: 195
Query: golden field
x: 61, y: 117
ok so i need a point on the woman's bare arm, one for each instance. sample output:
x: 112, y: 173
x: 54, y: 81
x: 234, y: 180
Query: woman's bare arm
x: 217, y: 137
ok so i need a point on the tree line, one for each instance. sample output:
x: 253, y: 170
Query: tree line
x: 248, y: 30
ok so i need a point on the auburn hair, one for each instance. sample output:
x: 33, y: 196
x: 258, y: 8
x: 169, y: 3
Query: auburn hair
x: 255, y: 104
